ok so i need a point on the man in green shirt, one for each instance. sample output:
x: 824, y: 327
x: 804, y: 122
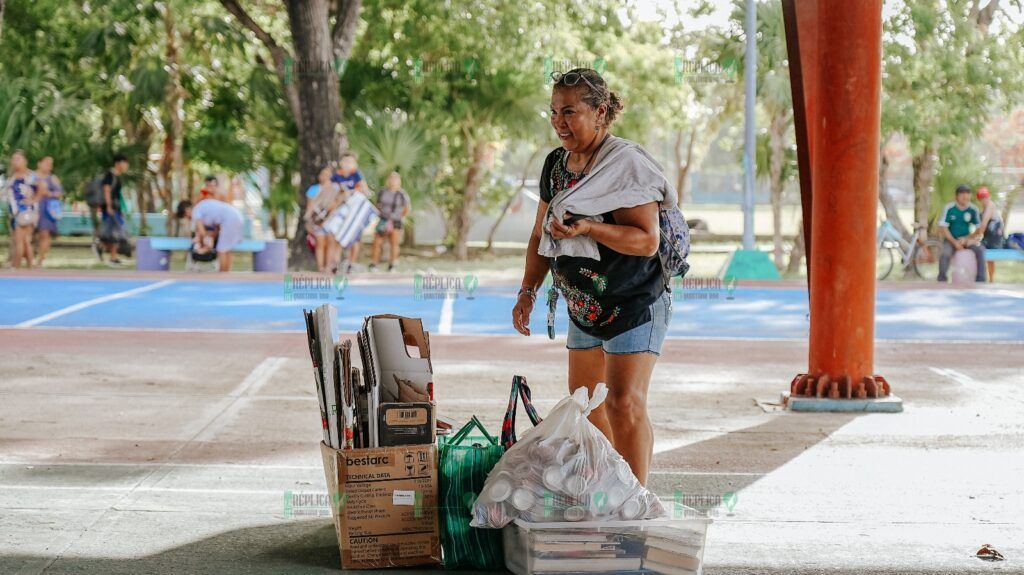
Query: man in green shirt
x: 957, y: 221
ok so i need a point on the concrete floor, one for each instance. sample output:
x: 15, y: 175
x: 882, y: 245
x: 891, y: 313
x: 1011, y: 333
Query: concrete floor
x: 156, y: 452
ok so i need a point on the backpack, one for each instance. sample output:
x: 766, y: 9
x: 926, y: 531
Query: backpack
x: 94, y: 192
x: 1015, y: 241
x: 674, y: 246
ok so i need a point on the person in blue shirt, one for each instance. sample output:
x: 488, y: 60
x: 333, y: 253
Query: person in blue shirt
x: 956, y: 223
x: 21, y: 191
x: 349, y: 178
x: 51, y: 208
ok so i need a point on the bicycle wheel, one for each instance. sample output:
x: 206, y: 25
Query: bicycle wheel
x: 925, y: 262
x: 885, y: 259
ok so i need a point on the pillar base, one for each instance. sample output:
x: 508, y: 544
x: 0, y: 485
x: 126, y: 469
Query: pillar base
x: 889, y: 404
x: 822, y: 386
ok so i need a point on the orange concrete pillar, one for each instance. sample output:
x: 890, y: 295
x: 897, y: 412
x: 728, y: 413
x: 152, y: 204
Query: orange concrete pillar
x: 841, y: 76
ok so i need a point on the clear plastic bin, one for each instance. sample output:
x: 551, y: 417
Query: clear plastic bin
x: 665, y: 546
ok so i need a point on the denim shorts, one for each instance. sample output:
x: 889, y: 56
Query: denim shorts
x: 646, y: 337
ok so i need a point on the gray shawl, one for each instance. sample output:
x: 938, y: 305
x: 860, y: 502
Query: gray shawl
x: 623, y: 175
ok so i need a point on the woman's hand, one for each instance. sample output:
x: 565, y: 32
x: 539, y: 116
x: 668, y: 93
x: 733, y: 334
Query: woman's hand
x: 560, y: 230
x: 521, y: 313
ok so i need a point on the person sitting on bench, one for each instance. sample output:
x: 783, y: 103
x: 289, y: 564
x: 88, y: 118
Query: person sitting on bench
x: 991, y: 229
x: 955, y: 223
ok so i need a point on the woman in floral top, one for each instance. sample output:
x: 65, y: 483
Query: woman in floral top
x: 618, y: 305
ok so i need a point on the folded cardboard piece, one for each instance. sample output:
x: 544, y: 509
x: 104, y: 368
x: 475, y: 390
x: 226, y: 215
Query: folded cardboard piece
x: 396, y: 368
x: 386, y: 511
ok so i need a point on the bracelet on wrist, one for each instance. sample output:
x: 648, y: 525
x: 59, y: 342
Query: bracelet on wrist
x: 529, y: 291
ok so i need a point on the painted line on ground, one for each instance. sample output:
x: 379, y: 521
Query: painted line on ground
x: 95, y: 301
x: 989, y: 392
x: 42, y: 464
x: 444, y: 325
x: 710, y: 473
x: 259, y: 376
x: 256, y: 379
x: 145, y: 489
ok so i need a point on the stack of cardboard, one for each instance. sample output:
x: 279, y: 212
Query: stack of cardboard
x: 379, y: 457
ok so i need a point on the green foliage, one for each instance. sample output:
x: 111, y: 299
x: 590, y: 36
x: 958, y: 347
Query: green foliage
x: 967, y: 168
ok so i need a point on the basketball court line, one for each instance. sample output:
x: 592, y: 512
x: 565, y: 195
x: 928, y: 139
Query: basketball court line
x: 95, y: 301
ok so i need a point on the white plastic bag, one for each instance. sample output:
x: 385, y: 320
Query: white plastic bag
x: 564, y: 469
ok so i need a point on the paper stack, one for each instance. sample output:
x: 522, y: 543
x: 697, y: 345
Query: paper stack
x: 337, y: 382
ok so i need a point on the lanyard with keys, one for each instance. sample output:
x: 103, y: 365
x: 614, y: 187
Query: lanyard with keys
x: 552, y: 303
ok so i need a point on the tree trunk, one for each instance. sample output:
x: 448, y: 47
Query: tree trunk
x: 3, y: 6
x: 776, y: 143
x: 313, y: 97
x: 511, y: 199
x: 319, y: 105
x: 924, y: 172
x: 176, y: 111
x: 140, y: 200
x: 796, y: 255
x: 1008, y: 207
x: 892, y: 214
x: 164, y: 183
x: 683, y: 165
x: 461, y: 217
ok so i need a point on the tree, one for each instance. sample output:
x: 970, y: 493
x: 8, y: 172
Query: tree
x: 310, y: 82
x: 945, y: 70
x: 460, y: 70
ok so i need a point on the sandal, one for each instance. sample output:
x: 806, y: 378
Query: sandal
x: 988, y: 553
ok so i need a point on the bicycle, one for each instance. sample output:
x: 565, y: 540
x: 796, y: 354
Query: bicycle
x: 920, y: 256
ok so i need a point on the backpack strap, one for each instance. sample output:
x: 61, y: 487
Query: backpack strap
x: 545, y: 173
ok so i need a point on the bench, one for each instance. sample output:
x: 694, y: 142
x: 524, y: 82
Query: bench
x: 1004, y: 255
x: 154, y: 253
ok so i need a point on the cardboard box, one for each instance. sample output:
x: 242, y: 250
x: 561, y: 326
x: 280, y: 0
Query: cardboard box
x: 386, y: 512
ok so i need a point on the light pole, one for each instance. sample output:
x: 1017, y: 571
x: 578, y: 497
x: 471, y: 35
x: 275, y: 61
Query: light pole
x: 749, y: 142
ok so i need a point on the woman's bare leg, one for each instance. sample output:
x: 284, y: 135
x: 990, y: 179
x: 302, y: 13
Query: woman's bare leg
x: 225, y: 259
x: 24, y: 239
x: 321, y: 253
x: 586, y: 369
x: 628, y: 377
x: 396, y: 236
x: 44, y: 245
x: 377, y: 241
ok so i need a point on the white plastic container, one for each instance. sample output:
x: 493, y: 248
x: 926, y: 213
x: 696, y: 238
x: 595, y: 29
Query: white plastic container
x: 654, y: 546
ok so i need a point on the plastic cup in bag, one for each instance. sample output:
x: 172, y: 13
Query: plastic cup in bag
x: 634, y: 508
x: 575, y: 485
x: 624, y: 472
x: 522, y: 499
x: 500, y: 489
x: 616, y: 496
x: 575, y: 513
x: 553, y: 478
x: 541, y: 452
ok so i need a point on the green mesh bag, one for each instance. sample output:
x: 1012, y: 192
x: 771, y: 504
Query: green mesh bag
x: 465, y: 461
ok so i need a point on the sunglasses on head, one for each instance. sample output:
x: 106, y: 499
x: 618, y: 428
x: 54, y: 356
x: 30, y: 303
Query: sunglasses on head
x: 571, y: 79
